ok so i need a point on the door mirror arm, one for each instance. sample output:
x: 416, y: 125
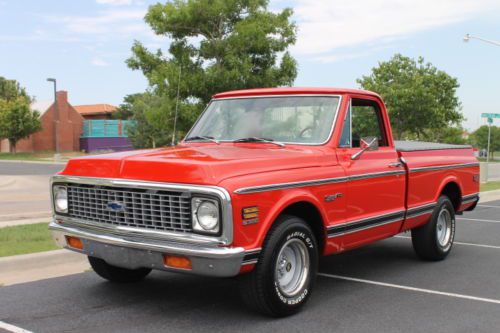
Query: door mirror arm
x: 373, y: 145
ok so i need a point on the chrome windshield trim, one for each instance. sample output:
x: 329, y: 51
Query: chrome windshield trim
x: 334, y: 123
x: 317, y: 182
x: 444, y: 167
x: 225, y: 238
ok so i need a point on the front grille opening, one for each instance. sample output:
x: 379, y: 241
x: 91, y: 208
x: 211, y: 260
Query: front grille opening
x: 139, y: 208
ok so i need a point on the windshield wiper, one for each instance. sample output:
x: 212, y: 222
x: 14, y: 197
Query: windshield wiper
x: 202, y: 137
x: 256, y: 139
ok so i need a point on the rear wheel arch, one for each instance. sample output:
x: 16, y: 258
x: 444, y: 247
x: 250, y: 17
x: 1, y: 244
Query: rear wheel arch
x: 453, y: 191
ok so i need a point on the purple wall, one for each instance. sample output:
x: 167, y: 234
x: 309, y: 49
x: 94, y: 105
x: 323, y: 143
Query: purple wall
x: 115, y: 144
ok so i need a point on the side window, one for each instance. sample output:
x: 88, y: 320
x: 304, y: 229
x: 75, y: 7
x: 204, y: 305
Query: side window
x: 364, y: 120
x: 345, y: 139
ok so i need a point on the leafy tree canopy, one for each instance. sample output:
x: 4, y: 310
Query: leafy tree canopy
x: 215, y: 46
x: 420, y: 98
x: 17, y: 120
x: 153, y: 117
x: 480, y: 138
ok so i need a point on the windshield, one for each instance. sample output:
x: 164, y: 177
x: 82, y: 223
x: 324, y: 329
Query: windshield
x: 291, y: 119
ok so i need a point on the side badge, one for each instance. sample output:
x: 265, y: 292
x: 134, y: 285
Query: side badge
x: 332, y: 197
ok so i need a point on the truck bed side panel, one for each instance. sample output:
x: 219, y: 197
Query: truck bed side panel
x: 429, y: 172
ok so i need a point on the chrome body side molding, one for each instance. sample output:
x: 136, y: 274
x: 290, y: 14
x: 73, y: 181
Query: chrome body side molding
x: 316, y: 182
x: 444, y: 167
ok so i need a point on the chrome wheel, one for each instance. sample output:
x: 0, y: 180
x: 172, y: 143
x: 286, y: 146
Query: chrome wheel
x: 443, y: 227
x: 292, y: 267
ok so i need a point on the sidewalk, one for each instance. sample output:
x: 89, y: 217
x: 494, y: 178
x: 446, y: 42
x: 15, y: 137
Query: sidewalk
x: 38, y: 266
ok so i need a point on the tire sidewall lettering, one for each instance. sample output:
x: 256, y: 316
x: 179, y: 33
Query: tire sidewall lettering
x: 302, y: 295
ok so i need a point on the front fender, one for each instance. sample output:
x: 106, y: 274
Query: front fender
x: 271, y: 205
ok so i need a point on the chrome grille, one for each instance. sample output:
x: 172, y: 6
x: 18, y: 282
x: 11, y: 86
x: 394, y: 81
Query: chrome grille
x: 139, y: 208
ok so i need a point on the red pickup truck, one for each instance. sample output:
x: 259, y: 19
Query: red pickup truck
x: 266, y: 182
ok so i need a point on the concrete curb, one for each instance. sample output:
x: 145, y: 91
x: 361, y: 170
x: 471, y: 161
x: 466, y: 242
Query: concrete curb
x: 4, y: 224
x: 35, y: 162
x: 43, y: 265
x: 489, y: 196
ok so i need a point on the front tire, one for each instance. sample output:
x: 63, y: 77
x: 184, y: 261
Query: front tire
x: 284, y: 276
x: 434, y: 240
x: 117, y: 274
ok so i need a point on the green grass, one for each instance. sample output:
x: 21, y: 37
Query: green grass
x: 46, y: 156
x: 490, y: 186
x: 482, y: 159
x: 24, y: 239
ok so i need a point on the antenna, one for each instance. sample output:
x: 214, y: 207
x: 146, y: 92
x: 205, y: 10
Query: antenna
x: 176, y: 105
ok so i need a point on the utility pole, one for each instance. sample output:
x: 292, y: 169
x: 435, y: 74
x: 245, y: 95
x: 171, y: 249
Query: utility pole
x: 490, y: 116
x: 55, y: 120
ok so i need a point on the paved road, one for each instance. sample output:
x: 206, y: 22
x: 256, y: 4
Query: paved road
x: 20, y: 168
x: 167, y: 302
x: 24, y: 189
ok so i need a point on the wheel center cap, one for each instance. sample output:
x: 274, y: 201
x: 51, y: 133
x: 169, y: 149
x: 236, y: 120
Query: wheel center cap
x: 288, y: 267
x: 440, y: 227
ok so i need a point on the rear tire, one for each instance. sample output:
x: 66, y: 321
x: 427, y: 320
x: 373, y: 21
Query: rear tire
x: 117, y: 274
x: 434, y: 240
x: 284, y: 276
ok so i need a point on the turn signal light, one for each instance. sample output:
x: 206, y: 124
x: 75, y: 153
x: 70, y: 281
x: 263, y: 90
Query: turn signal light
x: 177, y: 262
x: 250, y: 212
x: 74, y: 242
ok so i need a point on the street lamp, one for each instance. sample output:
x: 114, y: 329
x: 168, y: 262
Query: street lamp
x: 467, y: 38
x: 55, y: 119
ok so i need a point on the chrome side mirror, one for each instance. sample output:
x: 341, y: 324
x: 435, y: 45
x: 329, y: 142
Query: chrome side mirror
x: 369, y: 143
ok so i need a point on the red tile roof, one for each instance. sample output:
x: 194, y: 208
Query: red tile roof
x: 94, y: 109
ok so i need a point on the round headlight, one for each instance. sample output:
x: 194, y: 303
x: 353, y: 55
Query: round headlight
x: 208, y: 215
x: 61, y: 199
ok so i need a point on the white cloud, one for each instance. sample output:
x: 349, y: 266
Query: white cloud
x: 114, y: 2
x: 99, y: 62
x: 326, y: 25
x: 116, y: 21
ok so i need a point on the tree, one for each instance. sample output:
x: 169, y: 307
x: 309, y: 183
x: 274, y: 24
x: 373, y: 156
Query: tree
x: 216, y: 46
x: 154, y: 117
x: 17, y: 120
x: 421, y: 99
x: 479, y: 138
x: 451, y: 135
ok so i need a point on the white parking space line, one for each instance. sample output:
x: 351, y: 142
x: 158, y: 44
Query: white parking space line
x: 462, y: 243
x: 12, y: 328
x: 477, y: 220
x: 420, y: 290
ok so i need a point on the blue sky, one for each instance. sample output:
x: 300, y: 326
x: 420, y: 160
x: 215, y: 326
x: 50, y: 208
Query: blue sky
x: 84, y: 44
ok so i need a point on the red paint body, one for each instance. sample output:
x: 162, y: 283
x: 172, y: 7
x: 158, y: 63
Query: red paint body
x: 235, y: 166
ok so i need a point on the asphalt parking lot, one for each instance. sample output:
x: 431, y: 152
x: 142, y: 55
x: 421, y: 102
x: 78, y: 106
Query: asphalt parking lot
x: 379, y: 288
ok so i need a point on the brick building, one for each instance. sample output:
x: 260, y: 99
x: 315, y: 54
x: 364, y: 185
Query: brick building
x: 69, y: 129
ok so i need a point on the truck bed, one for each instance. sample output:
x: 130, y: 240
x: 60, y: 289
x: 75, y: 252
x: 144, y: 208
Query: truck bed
x: 421, y: 145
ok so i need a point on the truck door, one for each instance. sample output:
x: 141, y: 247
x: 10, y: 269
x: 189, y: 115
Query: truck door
x: 375, y: 177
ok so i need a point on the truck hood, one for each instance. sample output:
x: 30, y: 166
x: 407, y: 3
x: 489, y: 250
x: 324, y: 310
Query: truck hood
x: 205, y: 164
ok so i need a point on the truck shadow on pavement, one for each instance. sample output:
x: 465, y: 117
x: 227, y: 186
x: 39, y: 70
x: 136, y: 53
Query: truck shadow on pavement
x: 175, y: 302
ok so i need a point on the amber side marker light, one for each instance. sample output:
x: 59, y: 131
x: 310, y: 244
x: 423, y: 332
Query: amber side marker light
x: 177, y: 262
x: 74, y: 242
x: 250, y: 212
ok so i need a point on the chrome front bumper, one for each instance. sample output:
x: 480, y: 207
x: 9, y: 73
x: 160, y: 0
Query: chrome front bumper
x: 134, y: 251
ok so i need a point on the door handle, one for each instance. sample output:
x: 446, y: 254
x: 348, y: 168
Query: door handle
x: 395, y: 165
